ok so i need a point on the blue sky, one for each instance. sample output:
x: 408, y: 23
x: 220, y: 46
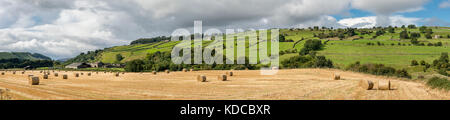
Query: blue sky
x: 431, y: 9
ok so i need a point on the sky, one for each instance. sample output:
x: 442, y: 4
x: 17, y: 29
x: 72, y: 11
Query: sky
x: 65, y: 28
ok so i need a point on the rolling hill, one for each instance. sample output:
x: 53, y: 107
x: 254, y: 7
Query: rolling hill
x: 389, y: 49
x: 23, y: 55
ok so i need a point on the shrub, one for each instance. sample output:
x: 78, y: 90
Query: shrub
x: 311, y: 45
x: 422, y: 62
x: 443, y: 72
x: 440, y: 83
x: 438, y: 44
x: 414, y: 41
x: 378, y: 69
x: 307, y: 61
x: 414, y: 63
x: 402, y: 73
x: 428, y: 36
x: 134, y: 66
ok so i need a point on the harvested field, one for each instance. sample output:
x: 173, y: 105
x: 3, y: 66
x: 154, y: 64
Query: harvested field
x: 298, y: 84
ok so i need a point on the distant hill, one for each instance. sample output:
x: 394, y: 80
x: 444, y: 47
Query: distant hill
x: 23, y: 56
x: 63, y: 59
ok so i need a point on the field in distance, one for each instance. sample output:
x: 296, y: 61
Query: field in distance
x: 295, y: 84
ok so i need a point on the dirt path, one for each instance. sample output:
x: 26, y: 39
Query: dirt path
x: 299, y: 84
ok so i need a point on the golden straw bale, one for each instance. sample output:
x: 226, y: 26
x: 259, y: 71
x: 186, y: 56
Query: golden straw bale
x: 222, y: 77
x: 366, y: 84
x: 201, y: 78
x: 230, y: 73
x: 336, y: 76
x: 33, y: 81
x: 384, y: 85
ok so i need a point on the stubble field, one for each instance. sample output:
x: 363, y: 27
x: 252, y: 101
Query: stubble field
x: 296, y: 84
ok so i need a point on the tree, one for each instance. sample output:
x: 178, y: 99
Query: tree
x: 422, y: 62
x: 379, y: 32
x: 316, y: 28
x: 414, y: 63
x: 311, y: 45
x: 412, y: 26
x: 422, y: 29
x: 429, y: 31
x: 282, y: 38
x: 134, y: 66
x: 428, y: 36
x: 404, y: 35
x: 391, y: 30
x: 341, y: 36
x: 414, y: 41
x: 119, y: 57
x: 415, y: 35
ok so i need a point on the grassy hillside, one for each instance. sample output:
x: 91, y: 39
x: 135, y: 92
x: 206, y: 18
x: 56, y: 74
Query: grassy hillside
x: 23, y: 55
x: 388, y: 48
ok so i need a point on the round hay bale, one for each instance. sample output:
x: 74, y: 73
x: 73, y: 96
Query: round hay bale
x: 154, y: 72
x: 56, y: 74
x: 184, y: 70
x: 336, y: 76
x: 384, y: 85
x: 201, y: 78
x: 366, y: 84
x: 167, y: 71
x: 76, y: 74
x: 65, y: 76
x: 230, y: 73
x: 222, y: 77
x: 45, y: 77
x: 33, y: 81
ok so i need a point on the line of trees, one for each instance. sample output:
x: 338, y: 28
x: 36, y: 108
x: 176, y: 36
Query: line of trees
x: 378, y: 69
x: 150, y: 40
x: 22, y: 63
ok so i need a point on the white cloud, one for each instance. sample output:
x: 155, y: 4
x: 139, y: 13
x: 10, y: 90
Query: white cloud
x: 65, y: 28
x: 371, y: 21
x: 445, y: 4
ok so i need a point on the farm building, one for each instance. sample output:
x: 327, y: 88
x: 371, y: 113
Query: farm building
x: 97, y: 64
x: 437, y: 36
x: 78, y: 65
